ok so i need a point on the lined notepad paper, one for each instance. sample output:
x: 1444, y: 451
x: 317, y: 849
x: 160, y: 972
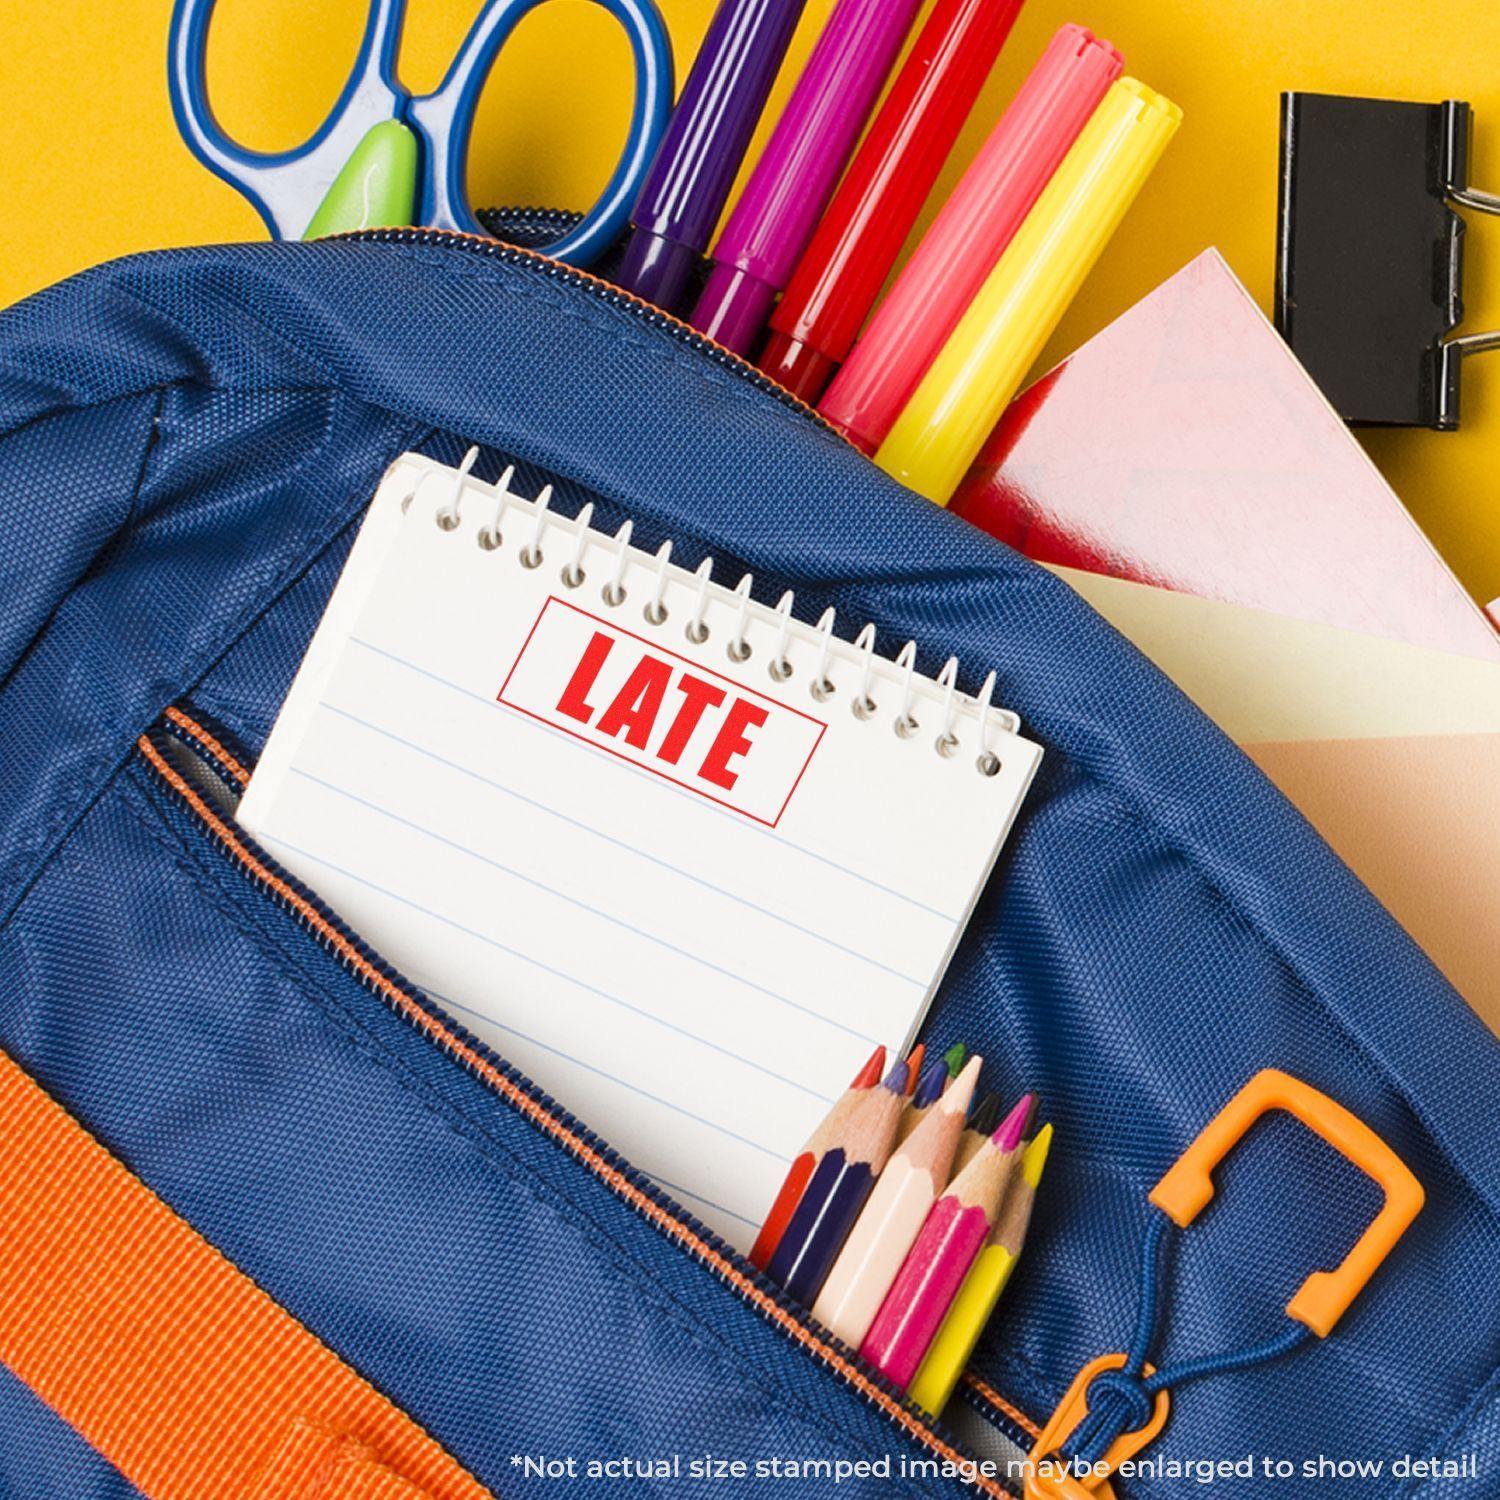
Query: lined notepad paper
x: 674, y: 885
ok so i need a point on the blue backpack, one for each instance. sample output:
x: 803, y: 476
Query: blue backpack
x: 188, y: 442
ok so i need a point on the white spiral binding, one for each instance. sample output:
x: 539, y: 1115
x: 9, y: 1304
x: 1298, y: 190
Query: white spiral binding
x: 947, y: 706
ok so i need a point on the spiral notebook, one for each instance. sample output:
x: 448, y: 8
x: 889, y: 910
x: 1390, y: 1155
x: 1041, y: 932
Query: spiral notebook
x: 681, y: 857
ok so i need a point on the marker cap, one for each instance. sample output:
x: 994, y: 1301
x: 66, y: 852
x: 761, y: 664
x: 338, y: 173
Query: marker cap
x: 657, y: 268
x: 802, y: 369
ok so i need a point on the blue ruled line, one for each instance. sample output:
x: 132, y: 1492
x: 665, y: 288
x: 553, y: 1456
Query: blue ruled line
x: 720, y: 812
x: 562, y: 817
x: 624, y: 1083
x: 544, y: 967
x: 595, y: 911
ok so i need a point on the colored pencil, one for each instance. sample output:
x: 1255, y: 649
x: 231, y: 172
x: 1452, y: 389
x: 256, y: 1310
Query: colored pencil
x: 947, y: 1246
x: 914, y: 1067
x: 983, y: 1285
x: 838, y: 1189
x: 894, y: 1216
x: 928, y: 1091
x: 981, y: 1127
x: 955, y: 1057
x: 799, y: 1174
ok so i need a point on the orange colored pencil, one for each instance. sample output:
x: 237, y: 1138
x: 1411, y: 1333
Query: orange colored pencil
x: 914, y: 1067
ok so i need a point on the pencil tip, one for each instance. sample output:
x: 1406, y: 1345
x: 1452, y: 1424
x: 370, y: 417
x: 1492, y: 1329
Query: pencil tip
x: 914, y: 1065
x: 869, y: 1075
x: 1034, y: 1158
x: 961, y: 1091
x: 930, y: 1086
x: 1008, y: 1136
x: 986, y: 1114
x: 895, y: 1080
x: 954, y: 1057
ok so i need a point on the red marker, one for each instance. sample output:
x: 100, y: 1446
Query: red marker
x: 967, y: 237
x: 846, y: 262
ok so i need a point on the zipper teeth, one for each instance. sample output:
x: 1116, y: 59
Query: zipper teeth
x: 605, y: 291
x: 638, y: 1192
x: 229, y: 767
x: 993, y: 1406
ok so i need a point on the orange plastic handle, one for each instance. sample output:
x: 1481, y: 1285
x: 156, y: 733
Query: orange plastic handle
x: 1321, y: 1299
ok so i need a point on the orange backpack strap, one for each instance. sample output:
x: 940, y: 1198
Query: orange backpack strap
x: 162, y: 1355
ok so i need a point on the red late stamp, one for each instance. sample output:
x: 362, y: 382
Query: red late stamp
x: 662, y: 711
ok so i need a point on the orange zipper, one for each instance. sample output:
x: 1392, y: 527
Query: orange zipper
x: 747, y: 1285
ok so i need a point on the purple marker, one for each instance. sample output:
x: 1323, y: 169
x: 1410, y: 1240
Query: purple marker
x: 788, y: 190
x: 700, y: 154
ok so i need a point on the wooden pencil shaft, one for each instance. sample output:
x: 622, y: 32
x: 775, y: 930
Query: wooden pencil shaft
x: 1015, y: 1215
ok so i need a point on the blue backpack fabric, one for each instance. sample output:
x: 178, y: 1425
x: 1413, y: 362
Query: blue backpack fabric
x: 187, y: 441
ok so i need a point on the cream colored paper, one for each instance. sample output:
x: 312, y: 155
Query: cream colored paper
x: 1391, y: 751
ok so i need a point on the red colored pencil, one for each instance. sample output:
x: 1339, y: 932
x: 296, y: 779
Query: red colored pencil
x: 806, y: 1161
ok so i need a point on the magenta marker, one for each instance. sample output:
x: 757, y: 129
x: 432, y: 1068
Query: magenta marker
x: 792, y: 181
x: 705, y: 143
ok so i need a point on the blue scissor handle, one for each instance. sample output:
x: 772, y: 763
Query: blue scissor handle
x: 285, y: 186
x: 444, y: 121
x: 288, y: 186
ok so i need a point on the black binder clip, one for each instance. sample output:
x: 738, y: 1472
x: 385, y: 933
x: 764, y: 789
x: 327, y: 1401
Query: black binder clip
x: 1369, y: 253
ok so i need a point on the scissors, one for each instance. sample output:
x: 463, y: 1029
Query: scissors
x: 400, y: 158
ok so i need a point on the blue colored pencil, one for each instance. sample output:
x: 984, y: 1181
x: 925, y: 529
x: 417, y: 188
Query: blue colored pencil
x: 838, y: 1190
x: 929, y: 1090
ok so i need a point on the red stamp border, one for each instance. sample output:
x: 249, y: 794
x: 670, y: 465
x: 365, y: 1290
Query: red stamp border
x: 739, y: 687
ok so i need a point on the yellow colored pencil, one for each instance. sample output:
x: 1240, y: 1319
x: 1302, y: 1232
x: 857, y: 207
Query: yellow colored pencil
x: 958, y: 401
x: 976, y: 1299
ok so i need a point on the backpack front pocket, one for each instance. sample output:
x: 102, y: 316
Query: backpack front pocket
x: 556, y: 1231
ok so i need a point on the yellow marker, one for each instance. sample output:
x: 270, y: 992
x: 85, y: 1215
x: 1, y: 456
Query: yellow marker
x: 981, y: 1288
x: 941, y: 429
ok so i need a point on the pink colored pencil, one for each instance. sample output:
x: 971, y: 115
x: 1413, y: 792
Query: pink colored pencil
x: 932, y: 1273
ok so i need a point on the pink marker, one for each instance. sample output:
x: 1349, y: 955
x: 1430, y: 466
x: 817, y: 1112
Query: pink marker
x: 953, y: 1235
x: 966, y: 239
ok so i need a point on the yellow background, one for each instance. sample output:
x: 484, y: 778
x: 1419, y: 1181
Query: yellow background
x: 94, y: 166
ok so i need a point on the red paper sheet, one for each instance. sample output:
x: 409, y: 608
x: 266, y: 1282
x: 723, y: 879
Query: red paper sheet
x: 1184, y: 446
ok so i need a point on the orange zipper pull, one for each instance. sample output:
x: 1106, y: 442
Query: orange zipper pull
x: 1053, y: 1477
